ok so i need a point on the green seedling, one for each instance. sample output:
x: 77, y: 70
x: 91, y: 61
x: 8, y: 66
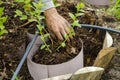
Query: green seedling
x: 66, y: 36
x: 3, y: 19
x: 45, y: 46
x: 80, y: 12
x: 20, y: 14
x: 56, y: 3
x: 115, y: 9
x: 80, y: 7
x: 32, y: 13
x: 27, y: 4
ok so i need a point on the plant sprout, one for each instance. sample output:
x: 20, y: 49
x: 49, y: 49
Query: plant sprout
x: 3, y: 19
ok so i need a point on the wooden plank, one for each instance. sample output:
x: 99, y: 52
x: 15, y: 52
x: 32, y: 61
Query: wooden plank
x: 86, y: 73
x: 104, y: 57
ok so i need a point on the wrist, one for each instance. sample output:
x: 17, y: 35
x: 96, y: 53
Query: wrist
x: 50, y: 12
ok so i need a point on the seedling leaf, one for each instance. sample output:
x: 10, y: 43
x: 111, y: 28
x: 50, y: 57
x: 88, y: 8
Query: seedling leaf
x: 46, y: 35
x: 1, y: 11
x: 43, y: 46
x: 3, y: 32
x: 79, y: 14
x: 23, y: 17
x: 18, y: 13
x: 80, y: 6
x: 72, y: 16
x: 63, y: 44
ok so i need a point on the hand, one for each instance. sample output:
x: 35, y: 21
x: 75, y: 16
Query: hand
x: 56, y: 23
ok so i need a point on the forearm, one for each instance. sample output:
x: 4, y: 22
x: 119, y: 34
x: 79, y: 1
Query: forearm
x: 48, y: 4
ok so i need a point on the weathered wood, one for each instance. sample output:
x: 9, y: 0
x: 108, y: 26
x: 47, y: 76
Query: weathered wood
x: 91, y: 73
x: 86, y: 73
x: 104, y: 57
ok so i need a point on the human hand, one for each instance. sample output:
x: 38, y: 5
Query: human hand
x: 56, y: 24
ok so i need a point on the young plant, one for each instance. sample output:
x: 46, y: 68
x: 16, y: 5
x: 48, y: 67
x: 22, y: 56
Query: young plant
x: 27, y: 8
x: 3, y: 19
x: 79, y: 12
x: 115, y: 9
x: 33, y: 14
x: 66, y: 36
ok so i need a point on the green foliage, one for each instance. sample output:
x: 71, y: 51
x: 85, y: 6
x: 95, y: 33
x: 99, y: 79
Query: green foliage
x: 45, y: 46
x: 79, y: 7
x: 56, y: 3
x: 32, y: 13
x: 79, y: 13
x: 3, y: 19
x: 1, y: 2
x: 20, y: 14
x: 115, y: 9
x: 72, y: 16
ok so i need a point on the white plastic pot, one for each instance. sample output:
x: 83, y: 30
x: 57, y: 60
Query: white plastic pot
x: 101, y: 2
x: 40, y: 71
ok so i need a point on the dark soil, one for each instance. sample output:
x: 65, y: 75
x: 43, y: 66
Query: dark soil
x: 10, y: 44
x: 90, y: 39
x: 71, y: 49
x: 113, y: 70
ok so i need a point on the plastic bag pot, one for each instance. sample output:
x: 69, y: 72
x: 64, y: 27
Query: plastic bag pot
x: 101, y: 2
x: 40, y: 71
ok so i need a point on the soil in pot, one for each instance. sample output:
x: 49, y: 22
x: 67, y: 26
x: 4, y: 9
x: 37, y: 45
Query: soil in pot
x: 92, y: 45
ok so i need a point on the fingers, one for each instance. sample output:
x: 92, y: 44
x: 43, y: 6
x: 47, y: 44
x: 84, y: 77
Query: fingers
x: 64, y: 29
x: 58, y: 26
x: 52, y: 34
x: 59, y: 36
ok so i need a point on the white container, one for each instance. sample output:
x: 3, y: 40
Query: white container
x: 40, y: 71
x: 101, y: 2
